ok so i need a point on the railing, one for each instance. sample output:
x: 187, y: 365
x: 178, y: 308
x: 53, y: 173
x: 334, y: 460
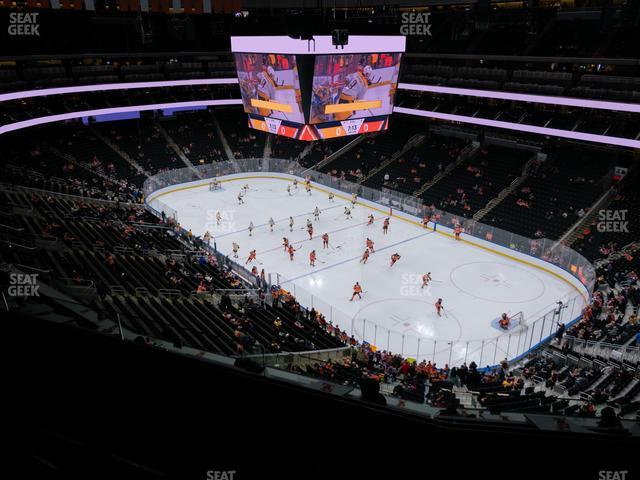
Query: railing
x: 512, y: 345
x: 604, y: 350
x: 286, y: 360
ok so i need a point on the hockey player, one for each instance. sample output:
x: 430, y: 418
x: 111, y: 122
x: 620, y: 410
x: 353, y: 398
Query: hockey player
x: 355, y: 89
x: 291, y: 252
x: 218, y: 217
x: 295, y: 183
x: 310, y: 231
x: 266, y: 87
x: 245, y: 187
x: 457, y: 231
x: 316, y: 214
x: 240, y: 199
x: 371, y: 219
x: 357, y: 290
x: 385, y: 226
x: 289, y: 190
x: 312, y: 258
x: 365, y: 256
x: 308, y: 189
x: 331, y: 196
x: 285, y: 244
x: 325, y: 240
x: 394, y: 258
x: 504, y: 322
x: 439, y: 307
x: 347, y: 212
x: 426, y: 278
x: 252, y: 256
x: 271, y: 223
x: 425, y: 221
x: 250, y: 228
x: 354, y: 200
x: 235, y: 247
x: 207, y: 237
x: 291, y: 224
x: 370, y: 245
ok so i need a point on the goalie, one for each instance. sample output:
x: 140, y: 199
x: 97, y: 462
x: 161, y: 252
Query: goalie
x: 356, y: 86
x: 214, y: 185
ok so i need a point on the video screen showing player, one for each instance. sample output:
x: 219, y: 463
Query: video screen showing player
x: 367, y: 78
x: 271, y: 78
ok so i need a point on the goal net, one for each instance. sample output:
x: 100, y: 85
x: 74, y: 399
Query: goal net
x: 518, y: 322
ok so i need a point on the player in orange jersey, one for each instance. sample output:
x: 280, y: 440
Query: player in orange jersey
x: 291, y: 252
x: 325, y: 240
x: 357, y: 290
x: 370, y: 245
x: 252, y: 256
x: 394, y: 258
x: 312, y: 258
x: 365, y: 256
x: 385, y: 226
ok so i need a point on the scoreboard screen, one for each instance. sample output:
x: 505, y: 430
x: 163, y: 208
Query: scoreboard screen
x: 269, y: 85
x: 293, y: 89
x: 349, y: 86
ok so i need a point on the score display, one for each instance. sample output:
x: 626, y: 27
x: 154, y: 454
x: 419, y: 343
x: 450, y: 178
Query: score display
x: 319, y: 94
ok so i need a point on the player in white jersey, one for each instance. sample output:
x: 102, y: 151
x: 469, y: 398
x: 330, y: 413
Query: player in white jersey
x: 240, y: 197
x: 218, y: 217
x: 291, y: 224
x: 316, y: 214
x: 355, y: 89
x: 289, y: 190
x: 347, y: 212
x: 331, y: 196
x: 250, y: 228
x: 271, y: 223
x: 266, y: 87
x: 354, y: 199
x: 235, y: 247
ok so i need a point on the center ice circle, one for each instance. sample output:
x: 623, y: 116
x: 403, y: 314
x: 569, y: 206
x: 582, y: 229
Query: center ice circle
x: 497, y: 282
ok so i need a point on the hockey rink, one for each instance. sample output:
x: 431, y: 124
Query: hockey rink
x: 477, y: 284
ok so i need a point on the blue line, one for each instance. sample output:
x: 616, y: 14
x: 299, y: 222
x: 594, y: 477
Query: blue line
x: 354, y: 258
x: 279, y: 220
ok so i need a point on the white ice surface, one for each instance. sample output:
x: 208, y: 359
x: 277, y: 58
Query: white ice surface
x: 476, y: 285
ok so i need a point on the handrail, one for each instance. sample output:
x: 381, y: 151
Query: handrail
x: 31, y: 268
